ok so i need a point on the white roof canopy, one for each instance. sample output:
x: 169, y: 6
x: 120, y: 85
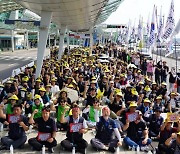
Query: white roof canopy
x: 77, y: 15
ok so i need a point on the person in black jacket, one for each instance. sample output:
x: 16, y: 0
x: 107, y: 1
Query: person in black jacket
x: 18, y: 124
x: 172, y: 79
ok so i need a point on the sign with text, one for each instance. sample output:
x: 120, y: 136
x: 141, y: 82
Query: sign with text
x: 43, y: 136
x: 172, y: 117
x: 13, y: 119
x: 131, y: 116
x: 75, y: 127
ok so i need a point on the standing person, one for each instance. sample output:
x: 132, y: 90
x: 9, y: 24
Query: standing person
x: 157, y: 74
x: 18, y: 124
x: 104, y: 137
x: 46, y: 131
x: 172, y: 79
x: 164, y: 71
x: 77, y: 126
x: 150, y: 69
x: 144, y: 66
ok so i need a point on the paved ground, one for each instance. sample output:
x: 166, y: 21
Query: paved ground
x: 60, y: 136
x: 16, y: 59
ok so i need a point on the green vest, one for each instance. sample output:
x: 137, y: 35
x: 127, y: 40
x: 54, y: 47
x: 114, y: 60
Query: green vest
x: 39, y: 114
x: 9, y: 109
x: 60, y: 111
x: 92, y: 114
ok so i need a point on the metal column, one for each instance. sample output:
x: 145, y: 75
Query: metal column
x: 91, y: 41
x: 61, y: 42
x: 67, y: 40
x: 44, y: 26
x: 27, y: 40
x: 12, y: 40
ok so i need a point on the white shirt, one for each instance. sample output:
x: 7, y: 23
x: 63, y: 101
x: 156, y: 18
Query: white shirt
x: 76, y: 121
x: 54, y: 89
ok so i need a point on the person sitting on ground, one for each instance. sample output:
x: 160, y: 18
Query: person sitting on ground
x: 166, y: 132
x: 91, y: 96
x: 137, y: 132
x: 172, y: 102
x: 92, y: 113
x: 117, y: 104
x: 145, y: 108
x: 37, y: 105
x: 173, y: 144
x: 104, y: 137
x: 44, y: 96
x: 18, y: 124
x: 77, y: 126
x: 155, y: 122
x: 64, y: 96
x: 62, y: 105
x: 46, y: 131
x: 158, y: 103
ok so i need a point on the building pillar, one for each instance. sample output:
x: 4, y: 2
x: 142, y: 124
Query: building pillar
x: 55, y: 40
x: 61, y: 42
x: 49, y: 41
x: 67, y: 40
x: 91, y: 41
x: 12, y: 40
x: 43, y: 35
x: 27, y: 40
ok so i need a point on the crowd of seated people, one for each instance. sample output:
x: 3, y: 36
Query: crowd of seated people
x: 118, y: 99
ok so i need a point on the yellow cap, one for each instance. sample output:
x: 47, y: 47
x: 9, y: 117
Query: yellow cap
x: 164, y: 83
x: 133, y: 104
x: 159, y: 97
x: 141, y: 82
x: 37, y: 97
x: 53, y: 79
x: 25, y: 79
x: 122, y: 75
x: 1, y: 85
x: 173, y: 93
x: 70, y: 77
x: 70, y: 86
x: 107, y: 71
x: 13, y: 97
x: 119, y: 94
x: 9, y: 82
x: 134, y: 92
x: 146, y: 100
x: 148, y: 79
x: 178, y: 133
x: 147, y: 88
x: 23, y: 89
x: 74, y: 82
x: 38, y: 80
x: 12, y: 78
x: 93, y: 81
x: 63, y: 90
x: 42, y: 89
x: 48, y: 85
x: 139, y: 71
x: 154, y: 82
x: 93, y: 78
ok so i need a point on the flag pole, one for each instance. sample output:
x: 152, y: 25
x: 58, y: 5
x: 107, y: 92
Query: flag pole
x: 175, y: 55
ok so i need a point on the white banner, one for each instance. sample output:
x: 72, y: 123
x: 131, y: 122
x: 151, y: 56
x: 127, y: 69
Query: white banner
x: 152, y: 30
x: 169, y: 23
